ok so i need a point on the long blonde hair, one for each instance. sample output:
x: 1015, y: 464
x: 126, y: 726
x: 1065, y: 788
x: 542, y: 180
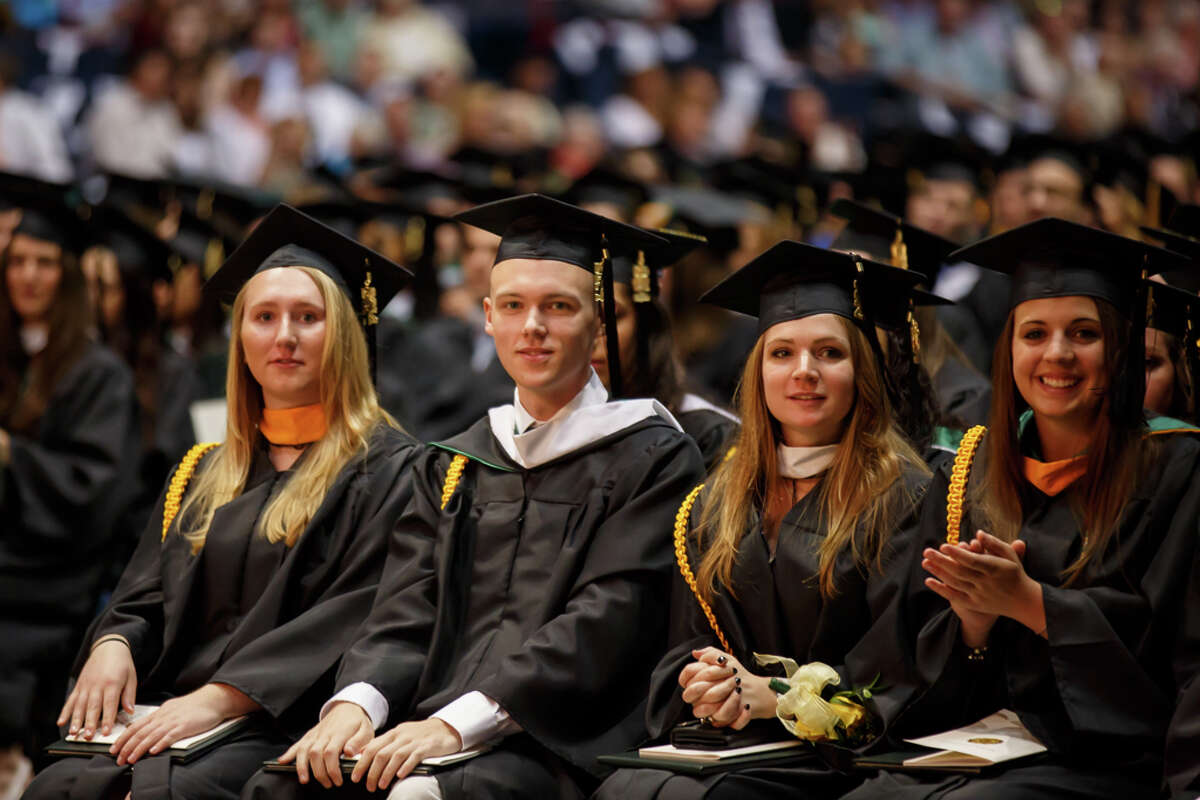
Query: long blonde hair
x: 861, y: 490
x: 351, y: 408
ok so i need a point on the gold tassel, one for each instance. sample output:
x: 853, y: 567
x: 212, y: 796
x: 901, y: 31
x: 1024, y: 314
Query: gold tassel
x: 370, y: 304
x: 858, y: 312
x: 598, y: 271
x: 1150, y: 306
x: 641, y: 279
x: 914, y: 331
x: 214, y: 256
x: 414, y: 239
x: 899, y: 250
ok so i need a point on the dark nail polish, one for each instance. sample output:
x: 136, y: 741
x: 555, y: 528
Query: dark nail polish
x: 738, y: 690
x: 735, y: 670
x: 737, y: 681
x: 720, y: 659
x: 747, y: 706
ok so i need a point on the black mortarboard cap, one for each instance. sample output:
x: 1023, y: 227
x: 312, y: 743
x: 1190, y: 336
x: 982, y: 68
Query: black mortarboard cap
x: 875, y: 233
x: 639, y: 270
x: 137, y: 248
x: 715, y: 215
x: 539, y: 227
x: 1052, y: 257
x: 792, y: 280
x: 47, y: 210
x: 1172, y: 310
x: 287, y: 238
x: 1181, y: 233
x: 606, y: 185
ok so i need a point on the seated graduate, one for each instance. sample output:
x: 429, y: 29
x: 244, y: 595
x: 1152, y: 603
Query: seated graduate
x: 1172, y: 353
x: 68, y: 447
x: 963, y: 395
x: 521, y: 605
x: 790, y: 541
x: 649, y: 364
x: 244, y: 600
x: 1054, y: 576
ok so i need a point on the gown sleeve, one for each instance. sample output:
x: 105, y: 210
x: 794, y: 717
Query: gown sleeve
x: 278, y: 668
x: 66, y: 485
x: 582, y: 674
x: 390, y: 651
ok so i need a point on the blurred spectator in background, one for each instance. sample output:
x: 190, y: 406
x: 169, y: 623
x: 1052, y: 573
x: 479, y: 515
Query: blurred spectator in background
x: 134, y: 128
x: 30, y: 139
x: 413, y: 41
x: 336, y: 27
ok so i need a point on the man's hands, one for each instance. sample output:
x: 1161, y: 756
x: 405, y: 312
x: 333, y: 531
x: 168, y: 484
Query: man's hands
x: 107, y: 683
x: 718, y: 687
x: 342, y: 733
x: 394, y: 755
x: 179, y: 718
x: 984, y: 579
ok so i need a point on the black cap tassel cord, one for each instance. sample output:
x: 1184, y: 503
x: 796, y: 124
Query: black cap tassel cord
x: 604, y: 295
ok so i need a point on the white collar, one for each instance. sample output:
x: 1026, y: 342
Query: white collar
x: 34, y: 339
x: 587, y: 418
x: 805, y: 462
x: 593, y: 393
x: 694, y: 402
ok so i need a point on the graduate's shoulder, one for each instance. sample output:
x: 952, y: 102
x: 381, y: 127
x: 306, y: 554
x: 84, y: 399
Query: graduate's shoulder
x: 96, y: 369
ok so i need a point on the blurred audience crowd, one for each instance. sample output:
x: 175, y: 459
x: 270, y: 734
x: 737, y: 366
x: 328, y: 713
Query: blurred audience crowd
x: 261, y: 92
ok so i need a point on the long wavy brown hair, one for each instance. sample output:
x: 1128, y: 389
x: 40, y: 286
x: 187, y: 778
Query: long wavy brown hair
x: 26, y: 384
x: 861, y: 498
x: 1118, y: 455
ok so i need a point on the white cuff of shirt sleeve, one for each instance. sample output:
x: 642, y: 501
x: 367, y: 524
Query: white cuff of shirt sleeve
x: 477, y: 718
x: 366, y: 697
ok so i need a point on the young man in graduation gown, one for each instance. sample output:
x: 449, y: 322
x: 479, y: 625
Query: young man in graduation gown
x: 523, y: 600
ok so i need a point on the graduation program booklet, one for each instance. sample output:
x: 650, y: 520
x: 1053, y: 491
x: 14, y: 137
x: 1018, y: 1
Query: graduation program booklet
x: 184, y: 749
x: 992, y: 740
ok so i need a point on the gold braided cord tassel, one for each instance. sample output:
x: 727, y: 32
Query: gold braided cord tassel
x: 681, y: 528
x: 179, y: 482
x: 958, y: 481
x: 453, y: 475
x: 858, y: 312
x: 914, y: 331
x: 899, y: 250
x: 370, y: 304
x: 730, y: 453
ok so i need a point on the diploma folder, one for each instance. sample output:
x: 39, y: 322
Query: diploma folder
x: 182, y: 751
x: 704, y: 762
x: 429, y: 766
x: 993, y: 740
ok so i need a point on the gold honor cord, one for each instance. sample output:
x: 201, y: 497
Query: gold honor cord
x: 958, y: 481
x: 681, y: 528
x: 179, y: 482
x: 453, y: 476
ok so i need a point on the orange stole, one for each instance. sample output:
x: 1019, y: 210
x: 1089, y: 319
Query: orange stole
x: 292, y: 426
x: 1054, y: 477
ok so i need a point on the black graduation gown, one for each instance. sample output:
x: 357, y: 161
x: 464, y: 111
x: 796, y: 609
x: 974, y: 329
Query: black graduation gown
x: 1100, y: 691
x: 269, y: 620
x: 963, y: 395
x: 542, y: 588
x: 712, y: 432
x: 778, y: 610
x: 60, y: 497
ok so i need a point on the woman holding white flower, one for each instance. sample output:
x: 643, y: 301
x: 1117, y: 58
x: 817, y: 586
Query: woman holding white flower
x: 786, y: 546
